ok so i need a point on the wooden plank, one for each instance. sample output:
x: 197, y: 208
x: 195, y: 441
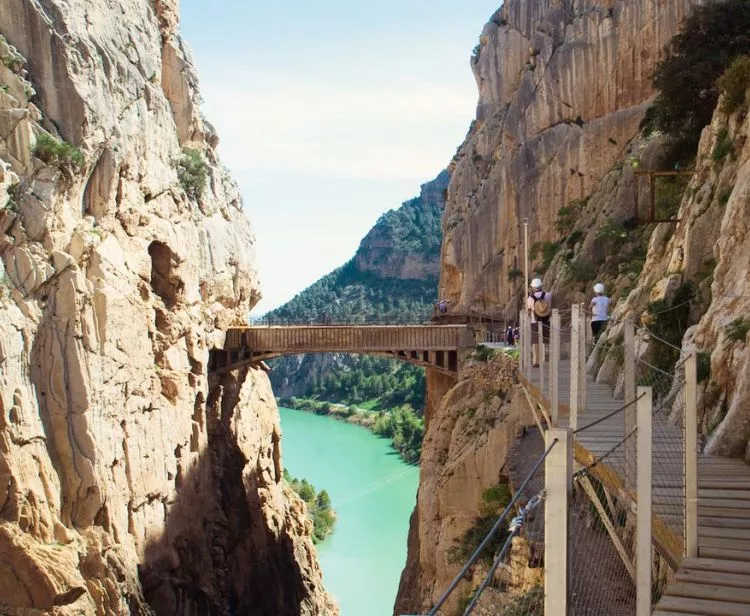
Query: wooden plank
x: 702, y: 607
x: 711, y: 564
x: 708, y: 494
x: 711, y: 592
x: 713, y: 522
x: 720, y: 512
x: 732, y: 543
x: 722, y: 553
x: 725, y: 503
x: 729, y: 533
x: 715, y: 578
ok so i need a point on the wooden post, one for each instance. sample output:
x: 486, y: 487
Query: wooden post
x: 540, y: 354
x: 582, y: 392
x: 527, y: 333
x: 558, y: 484
x: 575, y: 364
x: 630, y: 412
x: 691, y: 457
x: 521, y: 343
x: 554, y: 368
x: 643, y: 514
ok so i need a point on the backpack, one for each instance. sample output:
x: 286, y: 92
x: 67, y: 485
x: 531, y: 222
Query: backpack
x: 542, y: 306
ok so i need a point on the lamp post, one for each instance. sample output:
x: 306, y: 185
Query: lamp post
x: 526, y: 250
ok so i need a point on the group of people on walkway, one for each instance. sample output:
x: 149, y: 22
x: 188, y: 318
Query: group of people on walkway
x: 539, y: 308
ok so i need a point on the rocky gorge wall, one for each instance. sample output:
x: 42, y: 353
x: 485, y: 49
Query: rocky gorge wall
x: 130, y: 480
x: 464, y: 453
x: 563, y: 88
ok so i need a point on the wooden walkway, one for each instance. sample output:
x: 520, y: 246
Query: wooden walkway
x: 433, y: 346
x: 717, y: 582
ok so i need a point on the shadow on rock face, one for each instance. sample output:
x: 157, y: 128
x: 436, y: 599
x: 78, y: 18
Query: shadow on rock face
x: 222, y: 551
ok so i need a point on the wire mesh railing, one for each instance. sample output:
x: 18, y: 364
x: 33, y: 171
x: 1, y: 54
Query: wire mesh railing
x: 524, y: 529
x: 606, y: 380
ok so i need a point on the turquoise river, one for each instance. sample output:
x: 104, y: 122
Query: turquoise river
x: 373, y: 493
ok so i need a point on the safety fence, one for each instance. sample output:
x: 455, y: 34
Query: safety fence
x: 627, y: 402
x: 608, y: 512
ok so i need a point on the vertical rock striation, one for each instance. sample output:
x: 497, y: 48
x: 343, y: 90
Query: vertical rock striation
x: 563, y: 87
x: 130, y: 481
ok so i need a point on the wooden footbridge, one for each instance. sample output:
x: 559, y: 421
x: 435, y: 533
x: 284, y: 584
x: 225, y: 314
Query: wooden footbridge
x: 699, y: 504
x: 434, y: 346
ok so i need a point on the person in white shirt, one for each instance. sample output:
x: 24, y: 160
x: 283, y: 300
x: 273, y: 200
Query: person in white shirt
x: 599, y: 310
x: 539, y: 307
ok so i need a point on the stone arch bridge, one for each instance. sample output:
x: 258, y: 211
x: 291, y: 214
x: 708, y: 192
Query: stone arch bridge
x: 441, y: 347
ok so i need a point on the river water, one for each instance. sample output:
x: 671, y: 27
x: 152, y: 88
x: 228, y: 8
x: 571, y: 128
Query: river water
x: 373, y: 493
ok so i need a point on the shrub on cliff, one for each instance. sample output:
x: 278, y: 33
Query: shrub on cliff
x: 192, y: 172
x: 319, y: 508
x: 709, y: 41
x: 734, y: 84
x: 57, y: 153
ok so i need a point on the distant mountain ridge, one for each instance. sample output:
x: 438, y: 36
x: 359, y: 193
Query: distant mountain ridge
x: 393, y: 276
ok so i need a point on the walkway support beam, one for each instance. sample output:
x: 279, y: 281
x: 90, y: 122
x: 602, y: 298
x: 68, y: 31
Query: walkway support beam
x: 691, y: 457
x: 522, y: 341
x: 558, y: 485
x: 575, y: 364
x: 630, y: 411
x: 643, y: 514
x: 582, y: 391
x: 540, y: 353
x: 554, y: 368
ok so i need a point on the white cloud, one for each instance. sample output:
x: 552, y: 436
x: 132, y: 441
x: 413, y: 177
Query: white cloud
x: 273, y: 122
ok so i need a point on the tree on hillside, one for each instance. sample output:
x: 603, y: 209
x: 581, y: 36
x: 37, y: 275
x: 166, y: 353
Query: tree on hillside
x: 710, y: 39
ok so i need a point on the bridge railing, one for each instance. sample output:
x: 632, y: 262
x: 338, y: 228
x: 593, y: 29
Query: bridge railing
x: 634, y: 432
x: 493, y: 323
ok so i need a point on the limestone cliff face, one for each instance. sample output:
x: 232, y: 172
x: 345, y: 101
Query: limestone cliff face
x: 130, y: 481
x: 464, y: 453
x: 710, y: 248
x: 563, y: 87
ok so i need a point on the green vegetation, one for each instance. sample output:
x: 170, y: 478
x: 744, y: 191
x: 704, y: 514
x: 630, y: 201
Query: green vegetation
x: 574, y: 238
x: 384, y: 383
x: 318, y: 506
x: 405, y: 430
x: 192, y: 172
x: 703, y: 370
x: 494, y: 501
x: 580, y: 270
x: 710, y: 40
x: 514, y: 273
x: 483, y: 353
x: 737, y: 330
x: 612, y: 230
x: 734, y: 84
x: 530, y: 603
x: 57, y: 153
x: 668, y: 319
x: 386, y: 395
x: 669, y: 193
x: 568, y: 216
x: 349, y: 295
x: 723, y: 146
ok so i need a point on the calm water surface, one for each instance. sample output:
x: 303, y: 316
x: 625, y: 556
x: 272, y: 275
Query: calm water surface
x: 373, y: 493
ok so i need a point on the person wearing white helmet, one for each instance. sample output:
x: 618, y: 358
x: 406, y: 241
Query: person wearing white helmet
x: 539, y: 307
x: 599, y: 310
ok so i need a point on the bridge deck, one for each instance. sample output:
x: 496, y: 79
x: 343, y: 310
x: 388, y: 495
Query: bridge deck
x: 436, y: 346
x: 717, y: 583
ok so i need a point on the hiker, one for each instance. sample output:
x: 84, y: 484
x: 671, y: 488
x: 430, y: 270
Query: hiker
x: 539, y: 307
x: 509, y: 336
x: 599, y: 310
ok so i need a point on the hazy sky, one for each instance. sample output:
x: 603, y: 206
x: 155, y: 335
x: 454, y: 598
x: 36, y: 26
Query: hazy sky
x: 331, y: 112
